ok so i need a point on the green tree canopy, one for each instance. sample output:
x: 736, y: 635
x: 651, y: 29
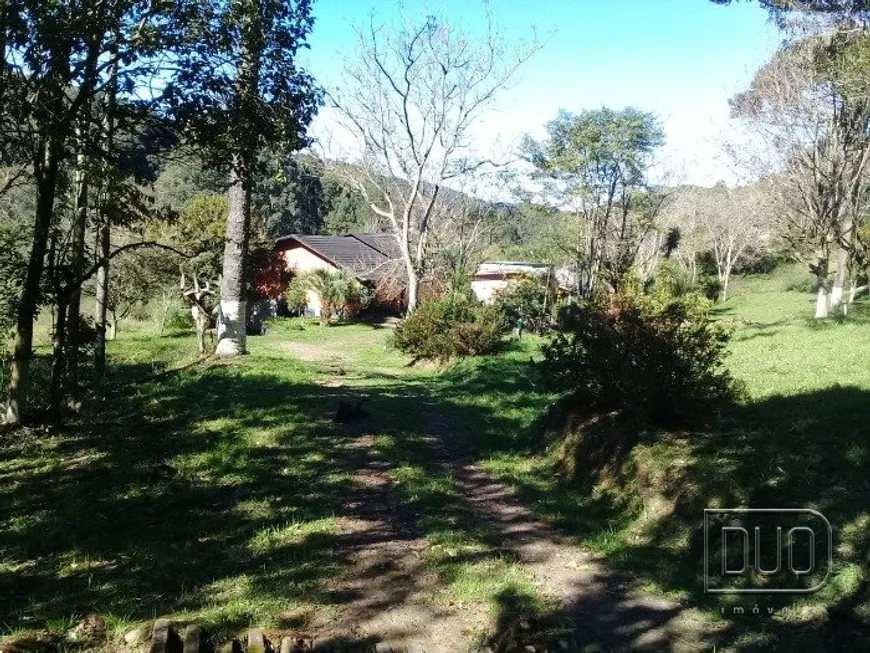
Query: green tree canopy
x: 595, y: 166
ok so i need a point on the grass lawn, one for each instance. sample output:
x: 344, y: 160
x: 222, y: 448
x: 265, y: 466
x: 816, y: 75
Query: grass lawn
x: 213, y: 491
x: 210, y: 491
x: 799, y: 439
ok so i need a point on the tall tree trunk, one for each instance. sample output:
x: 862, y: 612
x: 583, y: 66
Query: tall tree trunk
x: 840, y: 278
x: 58, y: 361
x: 104, y: 232
x: 404, y: 236
x: 46, y: 185
x: 104, y: 235
x: 232, y: 317
x: 233, y: 310
x: 77, y: 258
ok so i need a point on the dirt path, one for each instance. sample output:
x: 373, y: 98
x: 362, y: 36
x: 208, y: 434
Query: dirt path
x: 386, y: 585
x: 384, y: 591
x: 604, y: 609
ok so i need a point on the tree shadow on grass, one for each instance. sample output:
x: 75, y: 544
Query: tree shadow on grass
x: 212, y: 492
x: 809, y: 450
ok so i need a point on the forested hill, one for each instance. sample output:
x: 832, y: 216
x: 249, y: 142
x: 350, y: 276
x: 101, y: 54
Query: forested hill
x: 291, y: 195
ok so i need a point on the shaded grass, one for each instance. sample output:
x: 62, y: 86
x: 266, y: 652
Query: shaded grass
x: 210, y: 492
x: 800, y: 439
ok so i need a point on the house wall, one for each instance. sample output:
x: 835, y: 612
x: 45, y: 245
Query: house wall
x: 485, y: 289
x: 299, y: 261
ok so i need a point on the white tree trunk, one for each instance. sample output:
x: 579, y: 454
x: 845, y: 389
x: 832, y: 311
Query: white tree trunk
x: 726, y: 277
x: 231, y: 332
x: 822, y: 302
x: 413, y: 291
x: 839, y: 279
x: 232, y: 319
x: 836, y: 295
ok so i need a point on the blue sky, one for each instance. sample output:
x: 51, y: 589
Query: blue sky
x: 681, y: 59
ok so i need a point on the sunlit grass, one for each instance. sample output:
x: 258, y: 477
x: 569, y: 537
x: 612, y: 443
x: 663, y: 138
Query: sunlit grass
x: 209, y: 490
x: 797, y: 439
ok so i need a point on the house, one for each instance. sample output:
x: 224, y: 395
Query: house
x: 373, y: 259
x: 493, y: 277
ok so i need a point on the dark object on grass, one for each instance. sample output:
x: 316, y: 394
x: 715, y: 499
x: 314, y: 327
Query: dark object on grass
x: 348, y: 411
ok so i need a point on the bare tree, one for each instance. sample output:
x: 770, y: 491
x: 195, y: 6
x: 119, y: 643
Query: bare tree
x: 685, y: 215
x: 198, y: 297
x: 732, y: 224
x: 465, y: 229
x: 737, y: 227
x: 410, y: 99
x: 816, y: 148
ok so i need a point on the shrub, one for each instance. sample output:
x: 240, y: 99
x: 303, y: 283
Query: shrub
x: 296, y: 296
x: 710, y: 287
x: 340, y: 294
x: 531, y: 298
x: 450, y: 326
x: 659, y: 359
x: 179, y: 318
x: 673, y: 280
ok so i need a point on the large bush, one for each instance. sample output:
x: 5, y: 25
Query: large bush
x: 450, y: 326
x: 673, y: 280
x: 658, y: 359
x: 296, y: 295
x: 340, y: 294
x: 531, y: 298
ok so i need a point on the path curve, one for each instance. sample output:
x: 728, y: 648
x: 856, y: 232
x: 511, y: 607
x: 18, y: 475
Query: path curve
x: 604, y: 608
x: 382, y: 551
